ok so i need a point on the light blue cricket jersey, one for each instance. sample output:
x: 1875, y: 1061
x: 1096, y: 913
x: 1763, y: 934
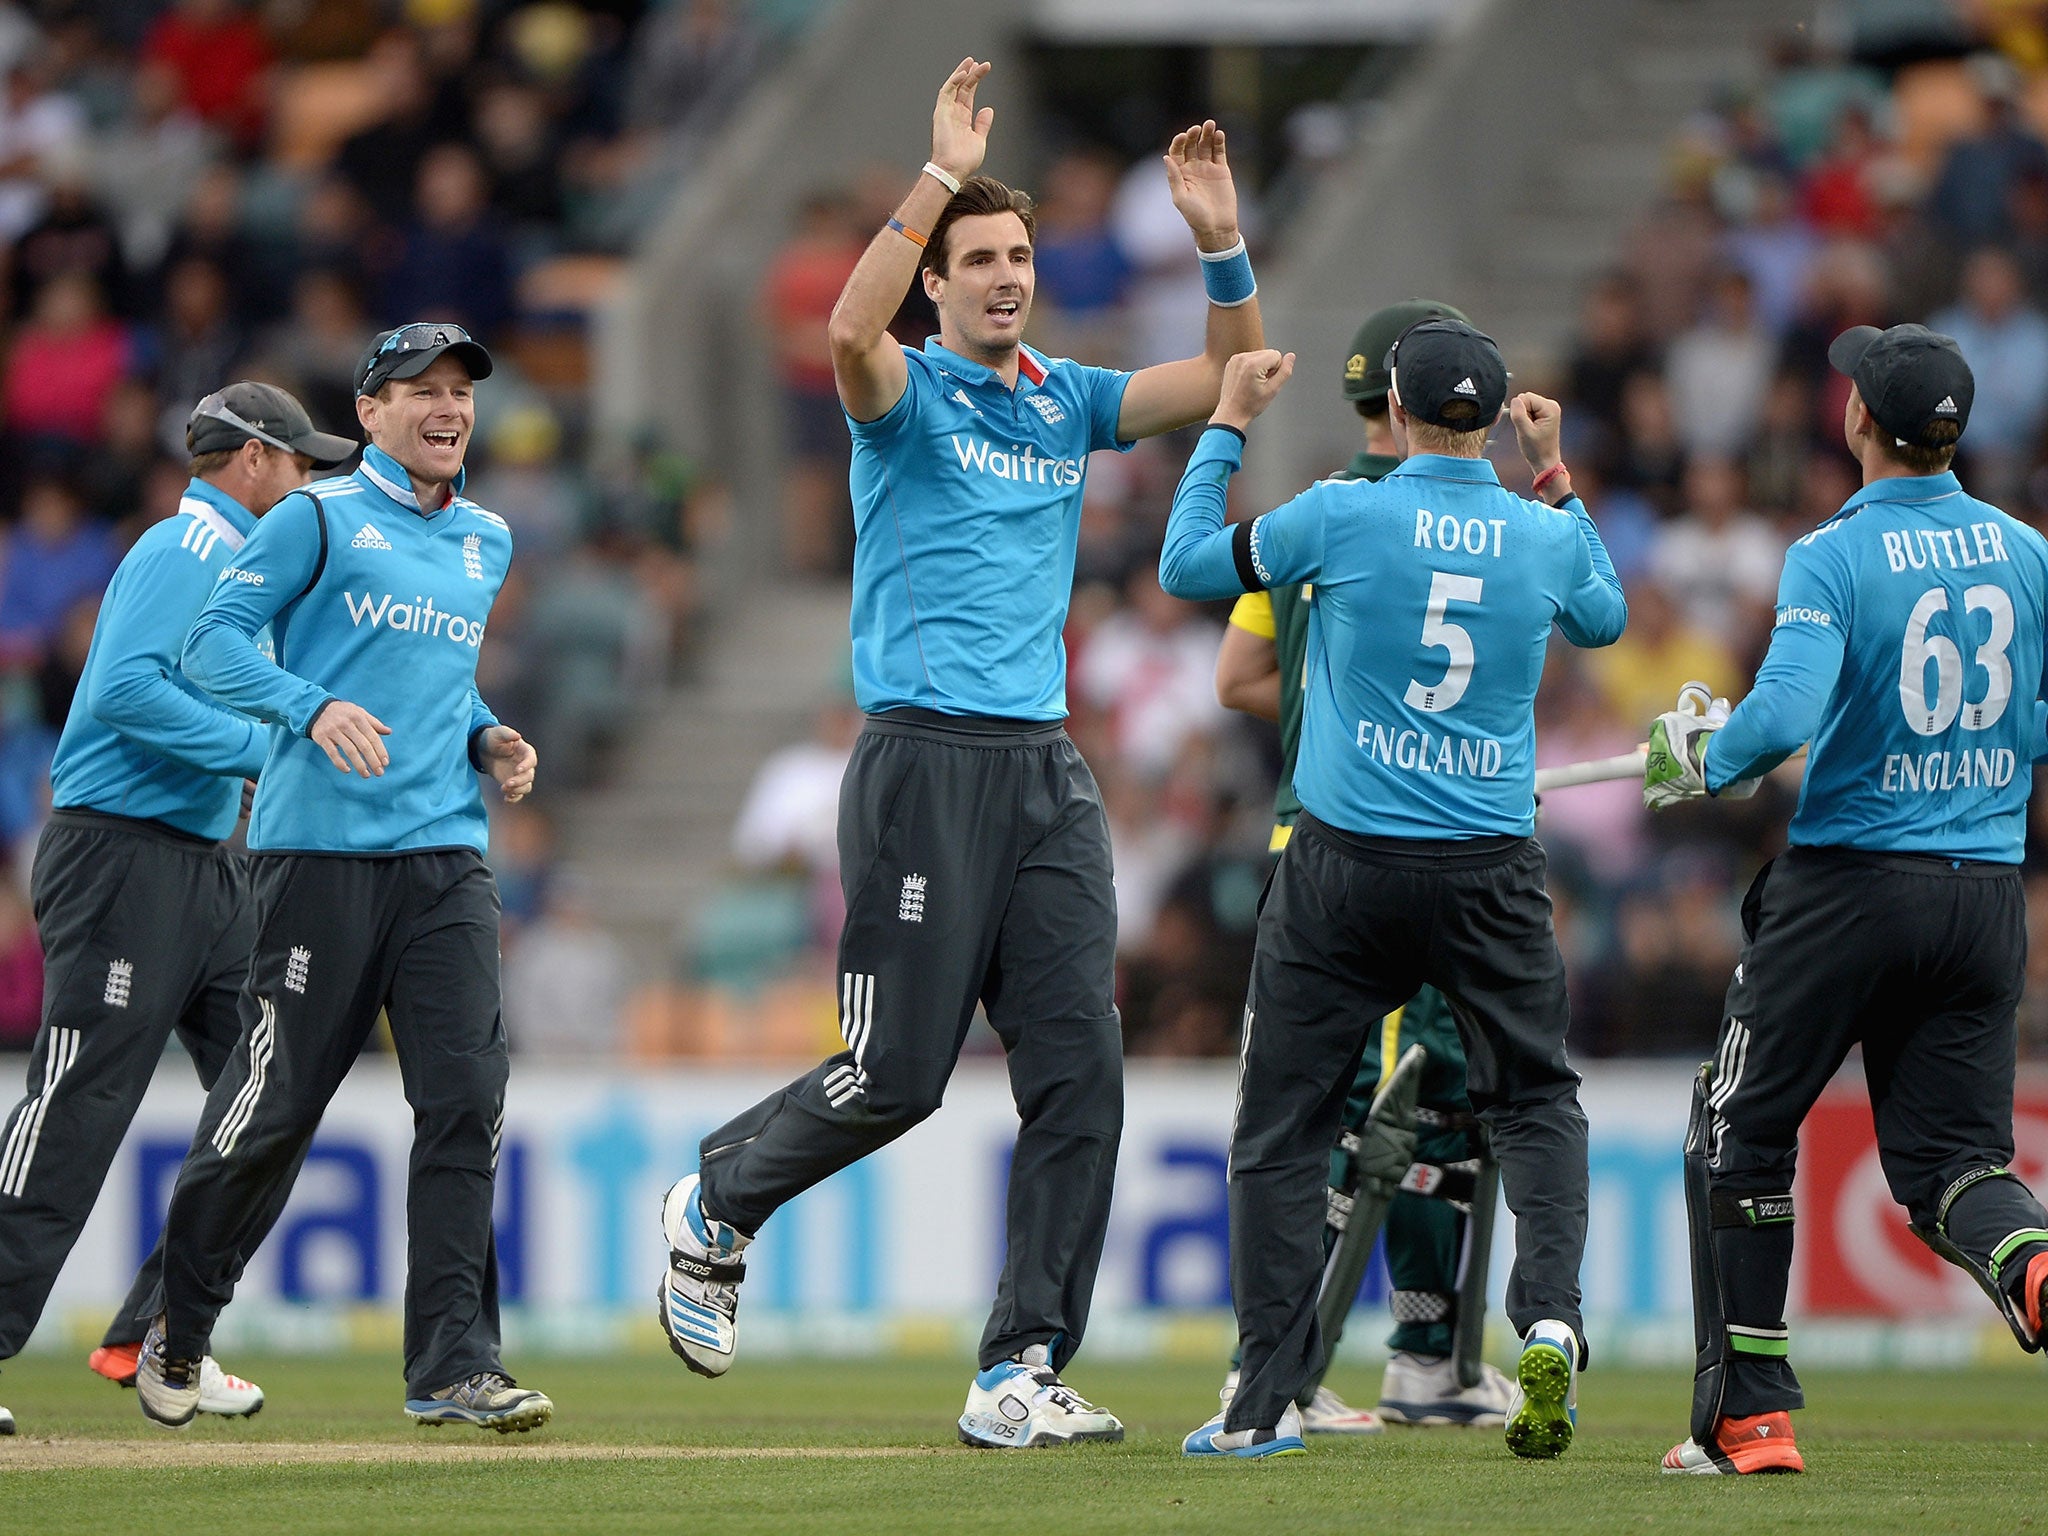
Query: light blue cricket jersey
x: 967, y: 514
x: 1908, y: 649
x: 141, y: 739
x: 1435, y: 591
x: 386, y: 609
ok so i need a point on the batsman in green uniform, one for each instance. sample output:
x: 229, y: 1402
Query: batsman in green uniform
x: 1261, y: 671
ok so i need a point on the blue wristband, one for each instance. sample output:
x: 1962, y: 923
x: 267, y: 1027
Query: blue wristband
x: 1227, y: 276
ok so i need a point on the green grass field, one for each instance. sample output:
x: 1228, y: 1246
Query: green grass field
x: 638, y: 1444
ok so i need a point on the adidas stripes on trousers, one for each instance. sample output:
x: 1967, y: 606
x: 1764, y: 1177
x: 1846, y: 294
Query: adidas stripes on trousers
x: 145, y: 930
x: 339, y: 938
x: 974, y: 854
x: 1921, y: 962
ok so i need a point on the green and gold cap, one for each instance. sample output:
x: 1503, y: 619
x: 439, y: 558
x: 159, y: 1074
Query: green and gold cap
x: 1365, y: 370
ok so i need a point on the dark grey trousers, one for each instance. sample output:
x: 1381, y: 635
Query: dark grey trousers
x: 145, y: 931
x: 1921, y: 962
x: 975, y: 858
x: 1351, y: 929
x: 339, y: 938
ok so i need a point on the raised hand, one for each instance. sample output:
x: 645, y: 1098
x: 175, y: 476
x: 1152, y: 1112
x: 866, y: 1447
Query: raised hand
x: 1203, y: 191
x: 1538, y: 426
x: 959, y: 132
x: 1251, y: 380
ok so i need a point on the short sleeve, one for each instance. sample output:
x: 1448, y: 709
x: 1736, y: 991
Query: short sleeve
x: 1105, y: 395
x: 1254, y: 614
x: 918, y: 389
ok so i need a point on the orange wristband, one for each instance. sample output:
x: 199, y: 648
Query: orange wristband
x: 906, y: 232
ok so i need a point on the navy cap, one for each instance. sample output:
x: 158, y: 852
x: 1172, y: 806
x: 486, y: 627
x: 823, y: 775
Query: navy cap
x: 410, y: 350
x: 1439, y: 360
x: 1909, y: 377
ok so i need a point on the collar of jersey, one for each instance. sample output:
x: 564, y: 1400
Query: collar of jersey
x: 239, y: 517
x: 968, y: 371
x: 1442, y: 466
x: 389, y: 476
x: 1904, y: 488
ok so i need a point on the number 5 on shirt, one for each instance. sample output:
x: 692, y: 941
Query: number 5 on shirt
x: 1445, y: 589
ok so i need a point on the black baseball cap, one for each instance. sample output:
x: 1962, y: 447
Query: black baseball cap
x: 1439, y: 360
x: 409, y: 350
x: 230, y: 417
x: 1909, y: 377
x: 1365, y: 369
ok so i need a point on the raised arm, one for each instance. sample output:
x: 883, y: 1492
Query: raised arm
x: 142, y: 631
x: 867, y: 362
x: 1206, y: 558
x: 1170, y: 395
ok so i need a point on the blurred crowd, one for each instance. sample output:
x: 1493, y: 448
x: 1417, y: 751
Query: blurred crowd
x: 1902, y: 178
x: 195, y: 191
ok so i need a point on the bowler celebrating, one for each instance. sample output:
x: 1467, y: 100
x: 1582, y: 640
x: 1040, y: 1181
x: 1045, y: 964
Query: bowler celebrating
x: 972, y: 843
x: 371, y: 886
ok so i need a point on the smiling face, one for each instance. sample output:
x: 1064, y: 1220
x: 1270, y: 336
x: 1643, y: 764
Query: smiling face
x: 984, y: 294
x: 423, y: 422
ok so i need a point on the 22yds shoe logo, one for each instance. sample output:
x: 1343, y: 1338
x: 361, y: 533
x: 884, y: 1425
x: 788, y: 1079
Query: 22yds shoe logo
x: 418, y: 617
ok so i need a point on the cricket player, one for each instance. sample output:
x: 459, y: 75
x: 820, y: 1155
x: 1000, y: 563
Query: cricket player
x: 1262, y: 670
x: 144, y: 913
x: 1412, y: 861
x: 1908, y: 650
x: 371, y: 887
x: 972, y: 843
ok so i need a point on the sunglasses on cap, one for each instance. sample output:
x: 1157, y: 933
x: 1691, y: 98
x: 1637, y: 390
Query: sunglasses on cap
x: 216, y: 407
x: 420, y: 335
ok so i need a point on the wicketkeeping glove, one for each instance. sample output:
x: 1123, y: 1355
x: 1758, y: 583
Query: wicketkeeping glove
x: 1675, y: 767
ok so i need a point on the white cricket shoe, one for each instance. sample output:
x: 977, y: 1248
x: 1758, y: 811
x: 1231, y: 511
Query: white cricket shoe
x: 168, y: 1389
x: 1423, y: 1390
x: 6, y: 1422
x: 225, y: 1394
x: 1022, y: 1402
x: 489, y: 1400
x: 699, y: 1295
x: 1544, y: 1411
x: 1325, y: 1414
x: 1283, y: 1439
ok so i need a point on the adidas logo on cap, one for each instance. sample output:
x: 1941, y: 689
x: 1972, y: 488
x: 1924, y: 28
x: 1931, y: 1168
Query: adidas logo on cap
x: 1466, y: 387
x: 369, y: 538
x: 1947, y: 406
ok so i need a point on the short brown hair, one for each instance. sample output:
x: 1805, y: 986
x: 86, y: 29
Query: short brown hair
x: 978, y: 195
x: 1458, y: 443
x: 204, y: 464
x: 1928, y: 460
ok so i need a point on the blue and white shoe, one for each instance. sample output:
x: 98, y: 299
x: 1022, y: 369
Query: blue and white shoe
x: 1021, y: 1402
x: 699, y: 1292
x: 489, y: 1400
x: 1283, y: 1439
x: 1545, y: 1408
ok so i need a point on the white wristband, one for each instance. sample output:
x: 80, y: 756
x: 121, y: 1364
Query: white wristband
x: 942, y: 176
x: 1225, y: 255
